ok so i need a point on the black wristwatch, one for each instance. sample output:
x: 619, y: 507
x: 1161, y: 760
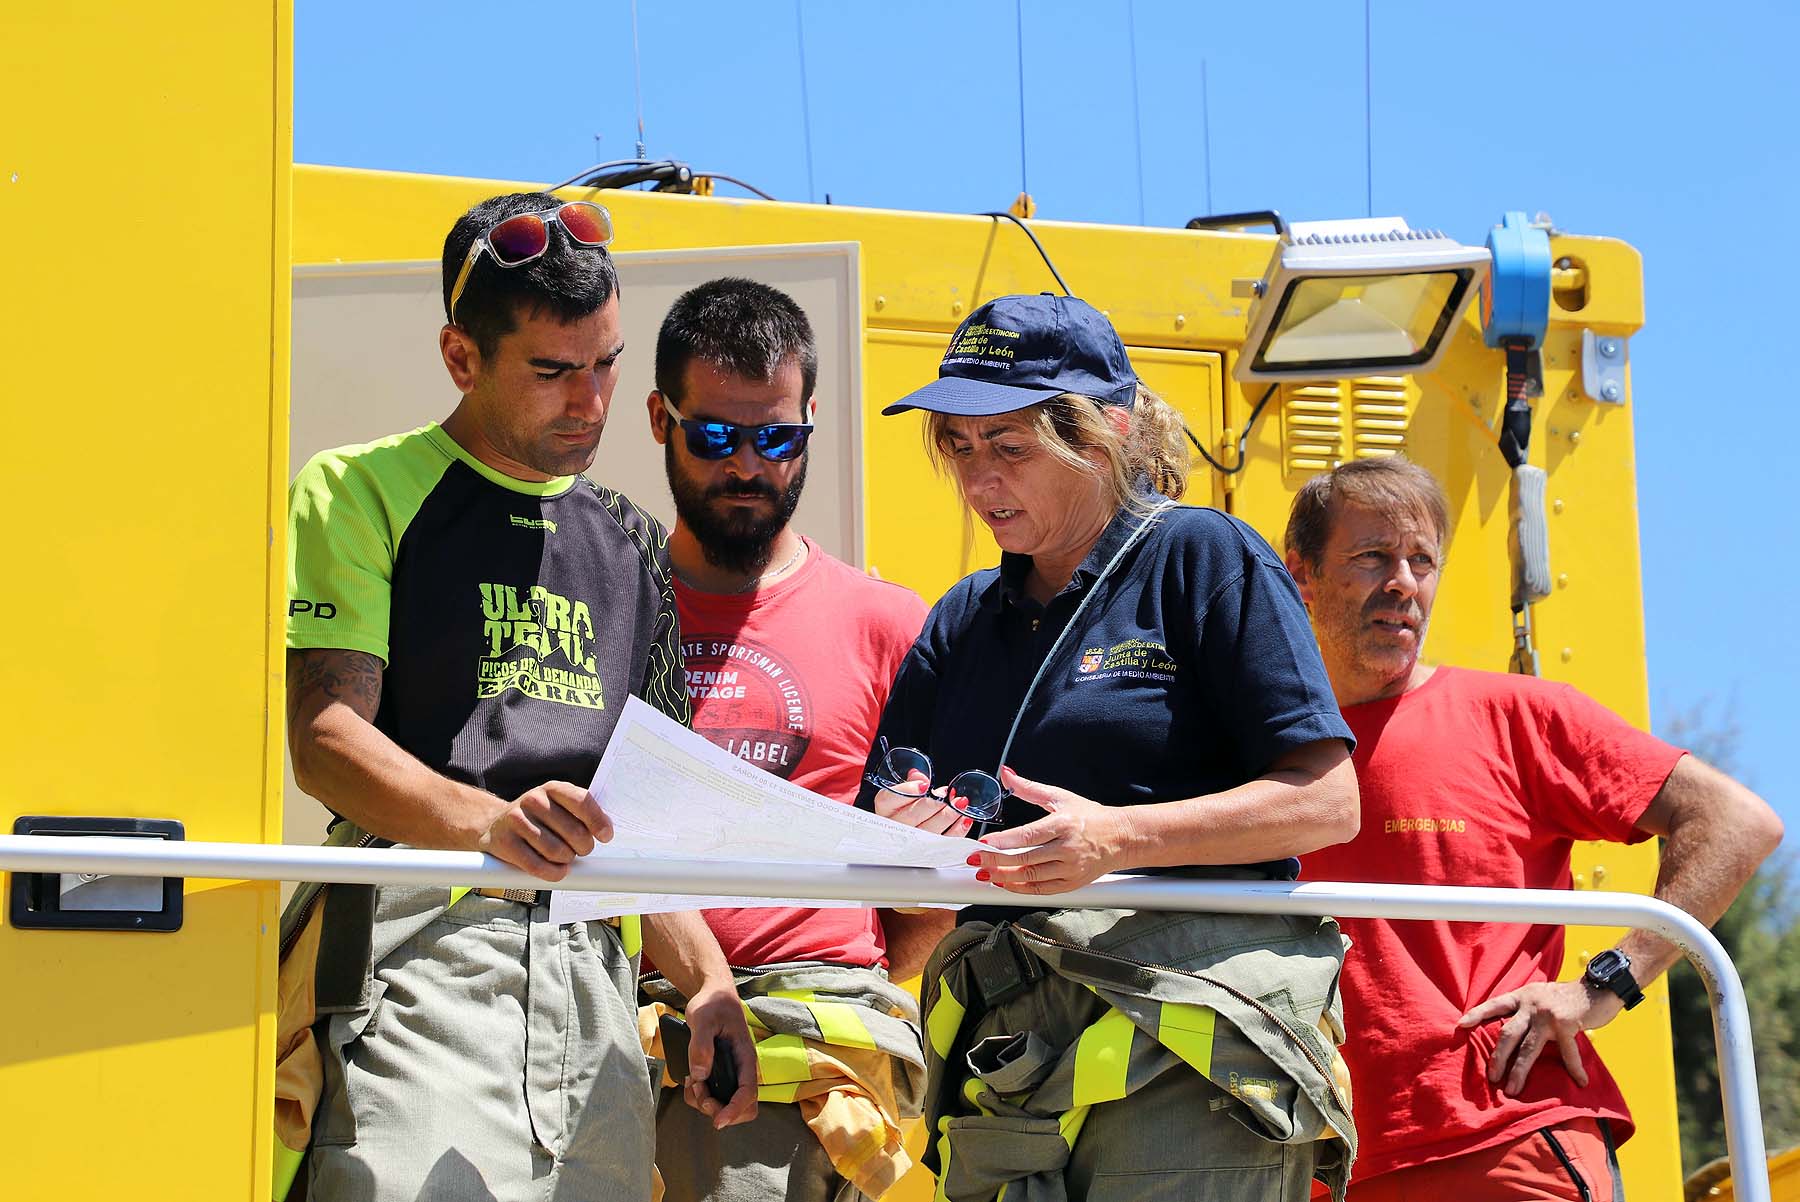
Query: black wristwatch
x: 1611, y: 970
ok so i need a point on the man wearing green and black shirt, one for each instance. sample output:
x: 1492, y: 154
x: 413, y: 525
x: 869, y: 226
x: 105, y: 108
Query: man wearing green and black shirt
x: 466, y: 616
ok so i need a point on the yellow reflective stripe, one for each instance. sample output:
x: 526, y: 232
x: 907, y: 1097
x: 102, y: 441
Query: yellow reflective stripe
x: 781, y: 1060
x: 1069, y: 1123
x: 840, y: 1024
x: 1187, y: 1031
x: 1102, y: 1057
x: 944, y: 1020
x: 286, y: 1168
x: 458, y: 892
x: 631, y: 933
x: 943, y: 1146
x: 972, y: 1092
x: 778, y: 1093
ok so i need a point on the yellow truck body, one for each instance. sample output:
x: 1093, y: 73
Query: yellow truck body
x: 157, y: 228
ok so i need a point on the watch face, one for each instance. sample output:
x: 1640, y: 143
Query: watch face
x: 1608, y: 962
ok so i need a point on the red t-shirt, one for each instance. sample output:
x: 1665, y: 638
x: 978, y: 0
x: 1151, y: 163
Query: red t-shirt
x: 1474, y: 778
x: 794, y: 677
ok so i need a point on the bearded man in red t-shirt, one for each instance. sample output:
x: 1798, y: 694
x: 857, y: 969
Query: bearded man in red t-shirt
x: 789, y: 654
x: 1472, y: 1075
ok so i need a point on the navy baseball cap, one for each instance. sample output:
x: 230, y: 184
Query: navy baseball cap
x: 1016, y: 351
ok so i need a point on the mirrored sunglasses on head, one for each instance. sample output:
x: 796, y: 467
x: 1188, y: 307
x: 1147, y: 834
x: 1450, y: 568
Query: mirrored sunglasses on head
x: 523, y: 237
x: 776, y: 442
x: 973, y: 794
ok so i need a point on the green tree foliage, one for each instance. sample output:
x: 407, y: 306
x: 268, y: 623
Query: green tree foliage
x: 1762, y: 933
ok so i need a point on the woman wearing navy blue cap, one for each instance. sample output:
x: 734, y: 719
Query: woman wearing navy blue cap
x: 1134, y: 689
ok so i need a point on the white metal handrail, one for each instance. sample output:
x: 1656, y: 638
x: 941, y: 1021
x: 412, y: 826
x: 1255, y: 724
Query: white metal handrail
x: 906, y: 886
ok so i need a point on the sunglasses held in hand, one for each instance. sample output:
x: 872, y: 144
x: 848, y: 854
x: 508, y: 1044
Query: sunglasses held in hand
x: 524, y: 237
x: 777, y: 442
x: 972, y: 794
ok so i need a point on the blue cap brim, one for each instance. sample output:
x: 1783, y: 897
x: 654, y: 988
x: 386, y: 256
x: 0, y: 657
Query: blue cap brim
x: 970, y: 398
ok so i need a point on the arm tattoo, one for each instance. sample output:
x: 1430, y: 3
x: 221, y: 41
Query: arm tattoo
x: 352, y: 677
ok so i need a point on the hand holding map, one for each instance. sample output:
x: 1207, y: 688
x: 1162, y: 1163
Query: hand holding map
x: 671, y: 794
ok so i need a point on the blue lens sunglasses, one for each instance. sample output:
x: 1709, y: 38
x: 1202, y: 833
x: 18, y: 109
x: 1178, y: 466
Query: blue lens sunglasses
x: 777, y: 442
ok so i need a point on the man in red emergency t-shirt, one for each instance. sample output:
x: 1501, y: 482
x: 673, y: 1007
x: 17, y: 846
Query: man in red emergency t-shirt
x: 1472, y: 1077
x: 789, y: 654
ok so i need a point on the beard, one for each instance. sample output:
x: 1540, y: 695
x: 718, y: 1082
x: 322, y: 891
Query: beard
x: 1348, y: 627
x: 732, y: 539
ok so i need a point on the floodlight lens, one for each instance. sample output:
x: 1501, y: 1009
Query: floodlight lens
x: 1363, y: 318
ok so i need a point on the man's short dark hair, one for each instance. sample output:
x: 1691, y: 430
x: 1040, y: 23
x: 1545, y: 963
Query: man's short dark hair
x: 739, y: 326
x: 1392, y: 484
x: 569, y: 281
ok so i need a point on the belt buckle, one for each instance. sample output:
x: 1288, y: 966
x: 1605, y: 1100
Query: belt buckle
x: 529, y: 897
x: 534, y: 897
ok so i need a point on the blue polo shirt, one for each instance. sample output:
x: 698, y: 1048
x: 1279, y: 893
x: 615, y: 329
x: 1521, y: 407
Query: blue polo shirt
x: 1194, y: 668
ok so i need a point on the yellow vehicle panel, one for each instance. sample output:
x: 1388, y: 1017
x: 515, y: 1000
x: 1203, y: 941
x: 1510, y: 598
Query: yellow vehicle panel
x: 143, y: 326
x: 1170, y: 294
x: 138, y: 1064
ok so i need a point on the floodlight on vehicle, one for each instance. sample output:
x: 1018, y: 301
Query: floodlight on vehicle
x: 1358, y: 297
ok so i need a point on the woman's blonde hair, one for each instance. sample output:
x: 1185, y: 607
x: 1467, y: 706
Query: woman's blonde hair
x: 1152, y: 451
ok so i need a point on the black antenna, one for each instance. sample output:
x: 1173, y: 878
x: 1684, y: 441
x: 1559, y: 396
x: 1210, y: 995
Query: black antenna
x: 637, y: 73
x: 1042, y: 253
x: 1206, y: 135
x: 1368, y: 108
x: 1019, y: 29
x: 1137, y: 116
x: 805, y: 102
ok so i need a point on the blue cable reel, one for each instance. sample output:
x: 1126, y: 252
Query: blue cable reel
x: 1515, y: 314
x: 1515, y: 298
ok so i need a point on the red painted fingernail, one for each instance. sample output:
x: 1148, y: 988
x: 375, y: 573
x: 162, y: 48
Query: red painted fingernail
x: 975, y: 860
x: 982, y: 875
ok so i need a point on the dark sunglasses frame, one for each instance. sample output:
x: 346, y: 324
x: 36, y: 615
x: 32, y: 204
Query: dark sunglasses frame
x: 544, y: 220
x: 982, y: 814
x: 715, y: 441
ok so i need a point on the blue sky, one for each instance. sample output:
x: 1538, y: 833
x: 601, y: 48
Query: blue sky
x: 1660, y: 124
